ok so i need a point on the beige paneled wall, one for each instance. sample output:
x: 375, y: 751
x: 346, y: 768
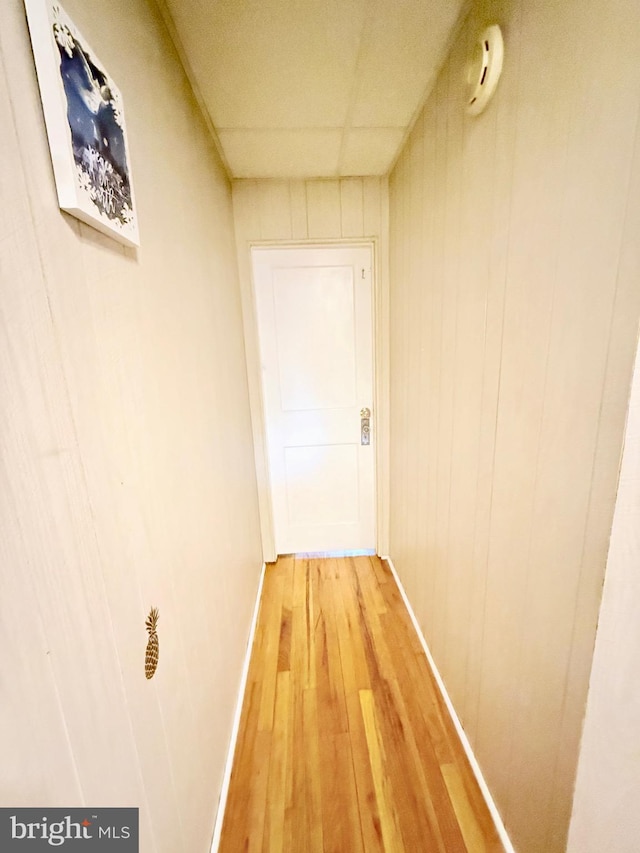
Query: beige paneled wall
x: 514, y: 314
x: 314, y: 211
x: 126, y: 461
x: 605, y: 807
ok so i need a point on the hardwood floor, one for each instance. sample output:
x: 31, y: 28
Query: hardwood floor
x: 345, y: 744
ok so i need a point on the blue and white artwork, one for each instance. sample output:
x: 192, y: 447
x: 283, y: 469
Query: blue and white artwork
x: 86, y: 117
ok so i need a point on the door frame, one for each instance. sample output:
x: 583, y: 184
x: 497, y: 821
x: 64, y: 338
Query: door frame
x: 380, y: 304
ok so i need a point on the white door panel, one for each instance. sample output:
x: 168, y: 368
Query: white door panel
x: 314, y: 309
x: 309, y: 305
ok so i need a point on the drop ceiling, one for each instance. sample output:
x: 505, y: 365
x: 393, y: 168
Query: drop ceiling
x: 311, y: 88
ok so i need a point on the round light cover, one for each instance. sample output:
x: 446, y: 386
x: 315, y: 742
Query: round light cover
x: 485, y: 69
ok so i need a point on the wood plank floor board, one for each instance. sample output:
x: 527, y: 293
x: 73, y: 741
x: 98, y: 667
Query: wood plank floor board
x: 406, y: 780
x: 428, y: 747
x: 248, y: 814
x: 381, y: 570
x: 284, y: 647
x: 340, y: 812
x: 369, y: 584
x: 428, y: 718
x: 389, y: 818
x: 332, y: 710
x: 345, y: 743
x: 311, y: 759
x: 270, y: 636
x: 370, y: 823
x: 278, y: 766
x: 294, y: 778
x: 355, y: 672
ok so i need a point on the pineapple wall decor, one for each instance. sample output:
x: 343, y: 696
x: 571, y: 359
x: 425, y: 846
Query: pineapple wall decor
x: 153, y: 646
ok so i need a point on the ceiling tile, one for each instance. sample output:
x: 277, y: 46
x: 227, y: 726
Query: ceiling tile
x: 283, y: 80
x: 370, y: 150
x: 403, y: 47
x: 281, y: 153
x: 273, y: 64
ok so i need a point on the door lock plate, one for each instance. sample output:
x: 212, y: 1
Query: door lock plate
x: 365, y: 426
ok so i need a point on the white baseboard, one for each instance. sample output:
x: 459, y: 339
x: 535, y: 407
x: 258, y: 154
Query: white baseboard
x: 224, y: 791
x: 495, y: 814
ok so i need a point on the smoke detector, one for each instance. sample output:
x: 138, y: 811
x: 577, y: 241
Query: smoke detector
x: 485, y: 68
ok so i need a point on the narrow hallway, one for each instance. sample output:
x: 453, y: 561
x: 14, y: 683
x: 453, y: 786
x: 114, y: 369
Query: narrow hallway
x: 345, y: 743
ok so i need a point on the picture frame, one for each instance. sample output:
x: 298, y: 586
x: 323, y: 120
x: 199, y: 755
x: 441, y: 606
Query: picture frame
x: 86, y: 130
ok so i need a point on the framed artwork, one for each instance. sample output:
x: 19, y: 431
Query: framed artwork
x: 84, y: 116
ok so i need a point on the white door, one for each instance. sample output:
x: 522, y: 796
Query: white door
x: 315, y: 325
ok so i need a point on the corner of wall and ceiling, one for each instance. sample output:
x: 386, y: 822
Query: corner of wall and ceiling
x: 169, y: 23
